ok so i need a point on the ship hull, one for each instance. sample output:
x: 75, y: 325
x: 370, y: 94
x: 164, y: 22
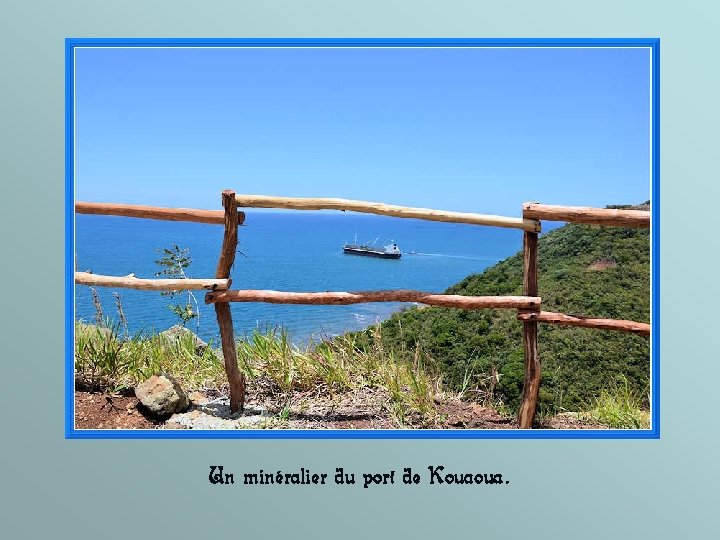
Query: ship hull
x: 370, y: 253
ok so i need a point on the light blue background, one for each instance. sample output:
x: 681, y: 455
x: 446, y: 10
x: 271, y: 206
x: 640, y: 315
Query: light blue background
x: 592, y: 489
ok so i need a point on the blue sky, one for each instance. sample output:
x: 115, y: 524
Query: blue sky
x: 476, y: 129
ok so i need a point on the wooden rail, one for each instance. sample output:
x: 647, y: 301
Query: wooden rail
x: 264, y: 201
x: 574, y: 320
x: 154, y: 212
x: 585, y: 214
x: 131, y: 282
x: 362, y: 297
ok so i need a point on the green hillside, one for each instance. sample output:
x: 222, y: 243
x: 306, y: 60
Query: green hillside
x: 583, y: 270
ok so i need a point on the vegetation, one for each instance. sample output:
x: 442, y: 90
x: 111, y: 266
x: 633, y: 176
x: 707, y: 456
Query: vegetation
x: 583, y: 270
x: 173, y: 264
x: 275, y: 366
x: 347, y: 363
x: 620, y: 407
x: 104, y: 361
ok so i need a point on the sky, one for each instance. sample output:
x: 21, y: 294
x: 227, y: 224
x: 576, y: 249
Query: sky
x: 473, y: 129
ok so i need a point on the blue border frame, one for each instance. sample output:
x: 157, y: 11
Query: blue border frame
x: 72, y: 433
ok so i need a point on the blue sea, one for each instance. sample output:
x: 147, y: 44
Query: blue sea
x: 285, y: 251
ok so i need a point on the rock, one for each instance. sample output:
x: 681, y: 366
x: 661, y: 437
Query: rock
x: 162, y: 395
x: 177, y: 332
x: 93, y: 330
x: 197, y: 398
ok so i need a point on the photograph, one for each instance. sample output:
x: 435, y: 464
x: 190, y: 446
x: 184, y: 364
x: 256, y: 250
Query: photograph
x: 362, y: 238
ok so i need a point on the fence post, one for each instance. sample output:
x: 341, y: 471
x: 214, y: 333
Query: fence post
x: 533, y: 373
x: 222, y: 309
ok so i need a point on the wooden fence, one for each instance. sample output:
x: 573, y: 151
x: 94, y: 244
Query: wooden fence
x: 219, y: 292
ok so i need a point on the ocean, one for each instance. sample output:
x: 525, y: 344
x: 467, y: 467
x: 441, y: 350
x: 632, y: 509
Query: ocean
x: 286, y: 251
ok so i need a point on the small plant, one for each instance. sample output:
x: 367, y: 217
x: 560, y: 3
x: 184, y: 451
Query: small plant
x: 173, y: 264
x: 103, y: 361
x: 284, y: 414
x: 99, y: 317
x: 619, y: 407
x: 343, y: 364
x: 100, y: 359
x: 121, y: 314
x: 185, y: 312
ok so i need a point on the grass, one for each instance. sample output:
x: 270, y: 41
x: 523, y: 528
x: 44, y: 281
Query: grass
x: 273, y: 365
x: 619, y: 407
x: 342, y: 365
x: 103, y: 360
x: 277, y: 369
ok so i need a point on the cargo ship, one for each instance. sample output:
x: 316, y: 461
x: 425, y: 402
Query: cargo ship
x: 391, y: 251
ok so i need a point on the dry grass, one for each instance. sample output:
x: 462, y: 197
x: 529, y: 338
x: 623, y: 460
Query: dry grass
x: 274, y: 366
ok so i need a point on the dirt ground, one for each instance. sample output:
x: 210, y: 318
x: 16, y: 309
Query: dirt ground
x: 103, y: 411
x: 367, y: 409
